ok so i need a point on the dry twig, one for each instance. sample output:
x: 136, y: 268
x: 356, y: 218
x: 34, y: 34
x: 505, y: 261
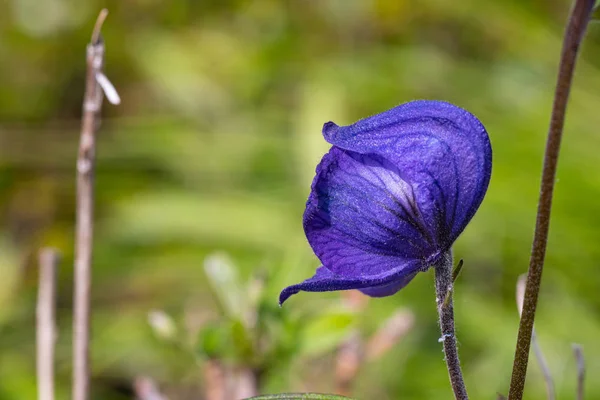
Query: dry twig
x: 389, y: 334
x: 46, y: 322
x: 96, y: 83
x: 578, y: 352
x: 215, y: 380
x: 347, y: 364
x: 355, y: 352
x: 245, y: 383
x: 146, y: 389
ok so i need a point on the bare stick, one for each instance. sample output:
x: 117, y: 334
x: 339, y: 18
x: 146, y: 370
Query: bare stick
x: 445, y: 308
x: 539, y: 355
x: 215, y: 380
x: 347, y: 363
x: 146, y: 389
x: 393, y: 330
x: 574, y: 33
x: 578, y: 352
x: 46, y: 322
x: 349, y: 356
x: 92, y: 104
x: 245, y: 382
x: 354, y: 353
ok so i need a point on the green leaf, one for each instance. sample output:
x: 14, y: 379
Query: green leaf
x: 241, y: 341
x: 279, y: 334
x: 299, y: 396
x: 213, y: 341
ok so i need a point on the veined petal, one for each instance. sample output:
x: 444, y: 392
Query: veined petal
x: 376, y: 286
x: 361, y: 218
x: 442, y: 151
x: 392, y: 195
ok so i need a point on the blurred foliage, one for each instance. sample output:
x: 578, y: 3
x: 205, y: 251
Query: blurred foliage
x: 254, y: 331
x: 214, y: 147
x: 299, y: 396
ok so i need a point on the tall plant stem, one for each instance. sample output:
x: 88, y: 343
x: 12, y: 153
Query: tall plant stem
x: 84, y: 224
x: 576, y: 27
x: 445, y: 308
x: 537, y: 349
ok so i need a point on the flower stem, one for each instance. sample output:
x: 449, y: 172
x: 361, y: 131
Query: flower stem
x: 445, y: 308
x: 578, y: 22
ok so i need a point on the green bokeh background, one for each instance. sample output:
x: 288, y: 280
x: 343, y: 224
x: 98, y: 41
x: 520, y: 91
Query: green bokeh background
x: 213, y: 149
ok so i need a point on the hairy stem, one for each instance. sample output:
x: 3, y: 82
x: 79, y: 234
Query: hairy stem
x: 445, y: 308
x: 574, y: 33
x: 537, y: 349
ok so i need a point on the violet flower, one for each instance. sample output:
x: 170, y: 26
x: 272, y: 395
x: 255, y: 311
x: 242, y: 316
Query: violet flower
x: 392, y: 195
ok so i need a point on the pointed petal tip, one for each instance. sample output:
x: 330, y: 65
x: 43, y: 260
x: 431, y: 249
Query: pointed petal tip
x: 329, y: 128
x: 380, y: 286
x: 286, y: 294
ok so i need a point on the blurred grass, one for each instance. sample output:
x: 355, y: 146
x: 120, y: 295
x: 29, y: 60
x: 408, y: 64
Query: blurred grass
x: 214, y: 147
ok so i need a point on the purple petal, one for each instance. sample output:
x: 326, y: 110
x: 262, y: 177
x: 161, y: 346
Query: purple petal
x: 442, y: 151
x: 392, y: 195
x: 362, y: 222
x: 326, y: 281
x: 361, y: 218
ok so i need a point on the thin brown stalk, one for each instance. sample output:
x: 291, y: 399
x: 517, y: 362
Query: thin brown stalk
x: 578, y: 352
x: 576, y: 27
x: 46, y: 323
x: 537, y: 350
x: 92, y: 104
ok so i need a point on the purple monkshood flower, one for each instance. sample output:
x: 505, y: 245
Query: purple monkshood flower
x: 392, y: 195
